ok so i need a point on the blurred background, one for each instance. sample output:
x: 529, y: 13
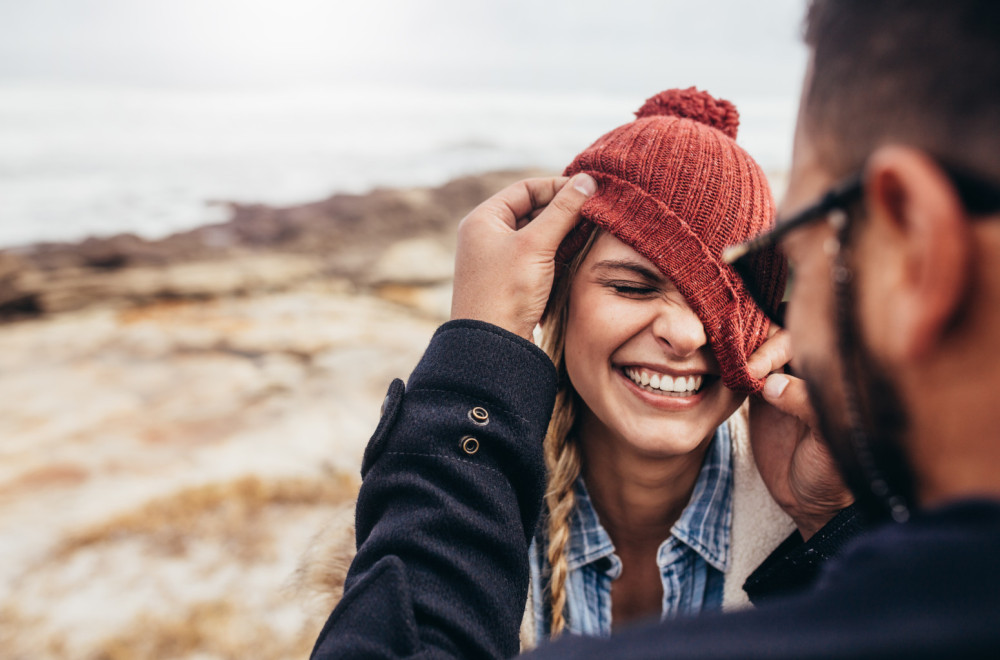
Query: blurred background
x: 225, y: 225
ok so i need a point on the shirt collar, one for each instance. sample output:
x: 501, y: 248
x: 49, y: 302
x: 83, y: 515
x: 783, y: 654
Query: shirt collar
x: 705, y: 523
x: 588, y: 540
x: 703, y: 526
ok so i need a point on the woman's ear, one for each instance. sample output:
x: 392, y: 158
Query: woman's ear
x: 913, y: 255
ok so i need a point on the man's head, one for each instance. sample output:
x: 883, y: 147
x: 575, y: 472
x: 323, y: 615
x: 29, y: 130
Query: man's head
x: 916, y: 72
x: 893, y: 315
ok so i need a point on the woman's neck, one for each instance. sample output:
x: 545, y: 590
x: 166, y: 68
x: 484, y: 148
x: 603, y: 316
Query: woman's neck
x: 638, y: 497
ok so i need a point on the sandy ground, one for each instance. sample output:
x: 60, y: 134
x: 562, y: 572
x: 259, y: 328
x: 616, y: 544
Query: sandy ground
x: 182, y: 420
x: 163, y: 468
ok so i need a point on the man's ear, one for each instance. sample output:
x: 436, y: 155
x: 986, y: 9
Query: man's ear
x: 919, y: 262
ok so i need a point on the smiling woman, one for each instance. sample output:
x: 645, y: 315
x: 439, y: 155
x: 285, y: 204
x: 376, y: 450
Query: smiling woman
x: 653, y: 505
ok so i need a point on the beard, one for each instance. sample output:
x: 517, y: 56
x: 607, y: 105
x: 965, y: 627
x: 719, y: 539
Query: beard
x: 863, y: 422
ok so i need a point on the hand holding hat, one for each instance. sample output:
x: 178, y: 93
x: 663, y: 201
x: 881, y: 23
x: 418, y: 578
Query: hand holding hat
x: 504, y: 268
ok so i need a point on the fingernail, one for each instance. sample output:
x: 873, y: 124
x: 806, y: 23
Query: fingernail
x: 775, y: 386
x: 585, y: 184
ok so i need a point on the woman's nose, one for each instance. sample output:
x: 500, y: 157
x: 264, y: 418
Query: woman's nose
x: 680, y: 328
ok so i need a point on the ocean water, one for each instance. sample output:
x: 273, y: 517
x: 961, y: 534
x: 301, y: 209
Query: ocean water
x: 79, y: 161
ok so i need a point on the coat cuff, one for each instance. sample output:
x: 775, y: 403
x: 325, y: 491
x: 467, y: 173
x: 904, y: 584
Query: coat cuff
x: 483, y: 361
x: 795, y: 564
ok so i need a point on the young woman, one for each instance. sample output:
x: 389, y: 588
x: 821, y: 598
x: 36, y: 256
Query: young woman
x: 654, y: 506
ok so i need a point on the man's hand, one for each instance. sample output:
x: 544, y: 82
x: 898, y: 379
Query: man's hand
x: 791, y: 457
x: 505, y: 262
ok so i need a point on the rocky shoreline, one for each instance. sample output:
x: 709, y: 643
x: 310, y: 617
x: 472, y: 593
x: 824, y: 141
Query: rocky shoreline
x: 261, y: 248
x: 180, y: 418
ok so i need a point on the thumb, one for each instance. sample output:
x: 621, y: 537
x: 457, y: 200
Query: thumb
x: 790, y: 395
x: 563, y: 212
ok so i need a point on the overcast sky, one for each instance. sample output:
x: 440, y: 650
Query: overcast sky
x: 126, y: 115
x: 732, y: 47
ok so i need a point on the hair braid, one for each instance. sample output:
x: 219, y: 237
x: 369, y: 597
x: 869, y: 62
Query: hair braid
x: 563, y: 460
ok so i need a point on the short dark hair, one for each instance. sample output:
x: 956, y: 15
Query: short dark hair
x: 920, y: 72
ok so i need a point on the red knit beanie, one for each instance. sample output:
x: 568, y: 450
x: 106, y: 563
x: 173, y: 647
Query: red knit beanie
x: 675, y: 186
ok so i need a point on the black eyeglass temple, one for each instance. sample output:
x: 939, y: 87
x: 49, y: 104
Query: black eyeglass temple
x: 979, y: 196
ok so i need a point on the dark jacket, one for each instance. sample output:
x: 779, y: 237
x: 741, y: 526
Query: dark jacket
x: 444, y: 522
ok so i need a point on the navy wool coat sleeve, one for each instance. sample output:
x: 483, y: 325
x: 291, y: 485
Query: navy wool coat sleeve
x: 452, y: 487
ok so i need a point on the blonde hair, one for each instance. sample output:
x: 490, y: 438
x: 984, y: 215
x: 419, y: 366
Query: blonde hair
x: 563, y: 460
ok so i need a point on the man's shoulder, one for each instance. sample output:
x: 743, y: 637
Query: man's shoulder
x: 935, y: 549
x: 967, y: 528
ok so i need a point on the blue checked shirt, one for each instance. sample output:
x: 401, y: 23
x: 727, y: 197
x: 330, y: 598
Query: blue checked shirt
x: 692, y: 560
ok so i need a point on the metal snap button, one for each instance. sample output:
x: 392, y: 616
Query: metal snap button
x: 479, y: 416
x: 470, y: 445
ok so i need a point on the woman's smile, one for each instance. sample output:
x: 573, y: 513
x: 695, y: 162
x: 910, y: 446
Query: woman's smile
x: 694, y: 388
x: 658, y: 382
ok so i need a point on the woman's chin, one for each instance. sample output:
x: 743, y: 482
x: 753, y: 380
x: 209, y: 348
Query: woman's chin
x: 666, y: 441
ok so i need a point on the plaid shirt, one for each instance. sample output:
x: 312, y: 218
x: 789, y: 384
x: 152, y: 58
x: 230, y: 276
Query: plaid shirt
x: 692, y: 560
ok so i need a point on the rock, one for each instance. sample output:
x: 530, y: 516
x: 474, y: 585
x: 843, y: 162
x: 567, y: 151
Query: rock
x: 15, y: 299
x: 431, y: 301
x: 70, y: 289
x: 417, y: 261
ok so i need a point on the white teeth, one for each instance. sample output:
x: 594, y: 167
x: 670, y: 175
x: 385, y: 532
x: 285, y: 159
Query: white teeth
x: 664, y: 382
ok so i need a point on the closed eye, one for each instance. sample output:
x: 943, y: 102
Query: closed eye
x: 632, y: 289
x: 639, y: 281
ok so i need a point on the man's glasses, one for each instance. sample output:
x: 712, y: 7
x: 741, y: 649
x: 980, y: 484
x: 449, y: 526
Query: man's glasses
x: 754, y: 261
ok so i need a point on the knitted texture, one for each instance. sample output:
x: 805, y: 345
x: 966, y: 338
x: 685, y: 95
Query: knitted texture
x: 675, y: 186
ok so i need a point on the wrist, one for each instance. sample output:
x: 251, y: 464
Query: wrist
x: 507, y: 325
x: 808, y: 522
x: 809, y: 525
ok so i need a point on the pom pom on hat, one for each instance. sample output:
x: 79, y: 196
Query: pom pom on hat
x: 692, y: 104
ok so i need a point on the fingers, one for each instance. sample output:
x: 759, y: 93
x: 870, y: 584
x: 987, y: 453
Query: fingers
x: 789, y: 395
x: 772, y: 355
x: 520, y: 199
x: 563, y: 212
x: 503, y: 274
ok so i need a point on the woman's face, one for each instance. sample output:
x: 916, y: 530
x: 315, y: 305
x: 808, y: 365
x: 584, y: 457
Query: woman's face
x: 638, y: 357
